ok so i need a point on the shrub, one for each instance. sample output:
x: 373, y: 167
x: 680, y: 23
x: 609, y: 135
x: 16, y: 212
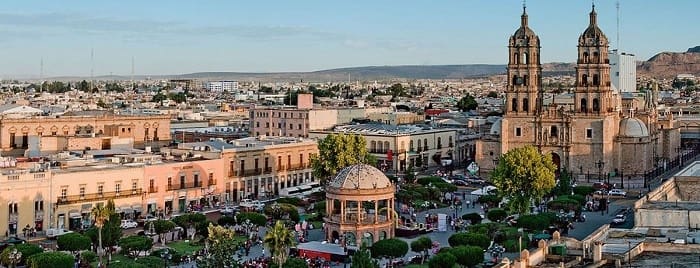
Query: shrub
x: 226, y: 221
x: 583, y: 190
x: 290, y: 200
x: 473, y: 218
x: 442, y: 260
x: 469, y: 239
x: 88, y: 256
x: 496, y: 215
x: 254, y: 217
x: 73, y: 242
x: 536, y: 222
x: 151, y: 261
x: 491, y: 199
x: 176, y: 255
x: 428, y: 180
x: 55, y: 259
x: 468, y: 256
x: 27, y: 251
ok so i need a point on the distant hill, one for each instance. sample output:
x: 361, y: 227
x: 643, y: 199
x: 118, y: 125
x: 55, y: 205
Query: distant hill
x: 670, y: 64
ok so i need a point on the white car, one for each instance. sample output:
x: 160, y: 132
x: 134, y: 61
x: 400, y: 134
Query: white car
x: 617, y: 192
x: 619, y: 219
x: 128, y: 224
x: 252, y: 204
x: 56, y: 232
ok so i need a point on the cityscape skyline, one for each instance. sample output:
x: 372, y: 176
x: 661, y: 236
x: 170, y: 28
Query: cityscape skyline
x: 56, y: 39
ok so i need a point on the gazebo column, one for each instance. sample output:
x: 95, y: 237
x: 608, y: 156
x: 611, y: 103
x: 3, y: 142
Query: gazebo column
x: 359, y: 211
x: 342, y: 211
x: 376, y: 211
x: 388, y: 208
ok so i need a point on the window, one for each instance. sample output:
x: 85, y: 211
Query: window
x: 64, y: 193
x: 514, y: 105
x: 267, y: 124
x: 518, y: 132
x: 100, y: 189
x: 617, y: 73
x: 170, y: 182
x: 526, y: 105
x: 196, y: 179
x: 82, y: 191
x: 53, y: 133
x: 257, y: 124
x: 134, y: 185
x: 117, y: 187
x: 584, y: 106
x: 299, y: 126
x: 596, y: 105
x: 589, y: 133
x: 554, y: 132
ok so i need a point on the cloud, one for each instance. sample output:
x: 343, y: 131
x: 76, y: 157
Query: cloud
x: 40, y: 23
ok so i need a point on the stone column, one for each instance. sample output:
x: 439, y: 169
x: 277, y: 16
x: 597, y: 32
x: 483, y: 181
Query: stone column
x: 359, y: 211
x: 597, y: 251
x: 389, y: 203
x: 342, y: 211
x: 376, y: 211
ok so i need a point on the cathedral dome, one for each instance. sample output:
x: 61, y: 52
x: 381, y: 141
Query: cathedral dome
x: 496, y: 128
x: 633, y: 128
x: 360, y: 176
x: 524, y: 33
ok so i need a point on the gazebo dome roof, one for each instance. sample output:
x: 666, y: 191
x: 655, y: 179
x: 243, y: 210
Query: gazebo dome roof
x: 360, y: 176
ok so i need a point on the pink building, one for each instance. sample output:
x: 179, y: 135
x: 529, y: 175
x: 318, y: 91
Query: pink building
x: 174, y: 187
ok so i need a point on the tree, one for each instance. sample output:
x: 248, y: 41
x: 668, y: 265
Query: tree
x: 389, y: 248
x: 161, y: 227
x: 226, y: 221
x: 73, y: 242
x: 279, y: 239
x: 492, y: 94
x: 337, y: 151
x: 111, y: 232
x: 397, y: 90
x: 442, y: 260
x: 190, y: 221
x: 254, y: 217
x: 84, y: 86
x: 467, y: 103
x: 54, y: 259
x: 523, y: 175
x: 468, y: 256
x: 222, y: 248
x: 469, y: 239
x: 421, y: 246
x: 295, y: 263
x: 27, y: 251
x: 473, y: 218
x: 134, y: 245
x: 363, y: 259
x: 496, y: 214
x: 100, y: 214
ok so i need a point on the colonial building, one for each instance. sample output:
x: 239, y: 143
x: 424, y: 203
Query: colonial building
x: 398, y: 147
x: 594, y: 130
x: 40, y: 135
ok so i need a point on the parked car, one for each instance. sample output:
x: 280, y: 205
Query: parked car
x: 617, y: 192
x: 619, y: 219
x: 229, y: 210
x: 476, y: 180
x: 418, y: 259
x: 460, y: 183
x: 249, y: 204
x: 13, y: 240
x: 56, y: 232
x: 128, y: 224
x: 602, y: 186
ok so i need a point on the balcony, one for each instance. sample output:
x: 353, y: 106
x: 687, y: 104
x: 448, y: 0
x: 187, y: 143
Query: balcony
x: 187, y: 185
x: 71, y: 199
x: 297, y: 167
x: 152, y: 189
x: 211, y: 182
x: 250, y: 172
x: 267, y: 170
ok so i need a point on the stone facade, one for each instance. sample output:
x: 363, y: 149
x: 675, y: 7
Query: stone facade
x: 592, y: 130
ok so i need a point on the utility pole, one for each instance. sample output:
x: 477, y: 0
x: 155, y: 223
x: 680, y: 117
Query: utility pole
x: 617, y: 42
x: 92, y: 67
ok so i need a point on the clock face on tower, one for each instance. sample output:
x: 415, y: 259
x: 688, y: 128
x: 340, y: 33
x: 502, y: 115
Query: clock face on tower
x: 518, y: 81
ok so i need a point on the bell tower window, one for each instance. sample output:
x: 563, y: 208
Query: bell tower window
x: 526, y: 59
x: 584, y: 80
x: 595, y: 57
x: 596, y: 105
x: 585, y: 57
x: 584, y: 106
x: 526, y: 105
x: 554, y: 132
x: 525, y: 80
x: 514, y: 105
x: 596, y: 80
x: 515, y: 58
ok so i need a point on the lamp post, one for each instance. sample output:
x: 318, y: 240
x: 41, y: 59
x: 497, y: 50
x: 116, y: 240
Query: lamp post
x: 622, y: 179
x: 679, y: 151
x: 276, y: 210
x: 600, y: 164
x: 166, y: 256
x: 15, y: 256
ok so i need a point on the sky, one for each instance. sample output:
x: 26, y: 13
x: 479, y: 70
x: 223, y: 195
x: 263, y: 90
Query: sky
x: 176, y: 37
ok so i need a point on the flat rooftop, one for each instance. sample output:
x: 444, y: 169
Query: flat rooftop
x: 385, y: 129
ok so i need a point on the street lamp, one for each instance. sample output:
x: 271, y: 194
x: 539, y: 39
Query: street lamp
x: 276, y: 210
x: 15, y: 256
x: 600, y: 164
x: 166, y: 256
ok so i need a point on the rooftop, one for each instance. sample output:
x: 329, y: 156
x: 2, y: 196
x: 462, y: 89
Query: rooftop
x: 385, y: 129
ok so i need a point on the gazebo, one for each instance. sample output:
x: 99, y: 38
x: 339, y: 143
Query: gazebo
x: 359, y: 206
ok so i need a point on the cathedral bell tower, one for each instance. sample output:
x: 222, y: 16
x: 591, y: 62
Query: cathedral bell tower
x: 524, y: 72
x: 593, y: 94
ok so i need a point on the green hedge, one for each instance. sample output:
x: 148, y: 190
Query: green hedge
x: 537, y: 222
x: 469, y: 239
x: 496, y: 214
x: 583, y: 190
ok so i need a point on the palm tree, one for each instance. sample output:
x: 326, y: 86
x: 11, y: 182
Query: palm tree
x: 101, y: 215
x: 279, y: 239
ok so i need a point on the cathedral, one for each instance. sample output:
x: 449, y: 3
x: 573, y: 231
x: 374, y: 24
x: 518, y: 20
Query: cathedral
x: 592, y: 130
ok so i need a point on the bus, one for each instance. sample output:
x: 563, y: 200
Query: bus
x: 301, y: 190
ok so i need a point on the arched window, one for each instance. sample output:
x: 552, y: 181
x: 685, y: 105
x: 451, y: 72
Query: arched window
x: 439, y: 143
x: 525, y: 82
x: 526, y: 105
x: 373, y: 145
x: 554, y: 131
x: 410, y: 145
x: 425, y: 144
x: 596, y: 80
x: 386, y: 146
x: 380, y: 147
x: 585, y: 57
x: 596, y: 105
x: 515, y: 80
x: 515, y: 58
x: 526, y: 59
x: 595, y: 57
x: 584, y: 106
x: 584, y: 80
x: 514, y: 105
x: 449, y: 141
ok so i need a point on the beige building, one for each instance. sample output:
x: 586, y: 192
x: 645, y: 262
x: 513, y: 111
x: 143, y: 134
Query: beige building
x: 409, y: 145
x: 397, y: 118
x: 594, y: 131
x: 41, y: 134
x: 26, y: 193
x: 261, y: 167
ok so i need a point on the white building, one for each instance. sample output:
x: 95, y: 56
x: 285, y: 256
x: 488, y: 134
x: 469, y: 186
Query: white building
x: 222, y: 86
x: 623, y: 71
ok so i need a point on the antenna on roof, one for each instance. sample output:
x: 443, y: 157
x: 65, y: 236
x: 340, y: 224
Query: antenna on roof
x: 41, y: 69
x: 617, y: 42
x: 92, y: 67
